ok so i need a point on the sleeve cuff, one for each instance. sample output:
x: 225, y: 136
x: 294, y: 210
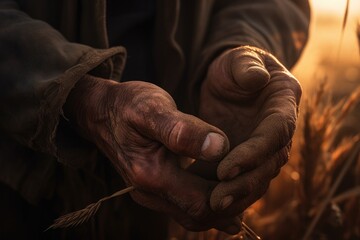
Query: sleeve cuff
x: 107, y: 63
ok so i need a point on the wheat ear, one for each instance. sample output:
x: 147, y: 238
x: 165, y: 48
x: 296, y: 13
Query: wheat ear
x: 78, y: 217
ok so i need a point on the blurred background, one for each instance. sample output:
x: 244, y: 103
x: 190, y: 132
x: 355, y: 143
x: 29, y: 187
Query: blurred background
x: 331, y: 52
x: 317, y: 194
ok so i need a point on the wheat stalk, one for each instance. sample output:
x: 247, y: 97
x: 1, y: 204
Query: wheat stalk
x: 346, y: 195
x: 249, y: 232
x: 78, y: 217
x: 346, y: 14
x: 334, y: 187
x: 358, y: 34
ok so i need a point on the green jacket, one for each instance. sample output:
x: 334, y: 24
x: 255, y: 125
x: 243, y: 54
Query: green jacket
x: 46, y: 46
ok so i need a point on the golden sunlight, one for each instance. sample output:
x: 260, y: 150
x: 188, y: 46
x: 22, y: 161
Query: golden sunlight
x: 329, y: 6
x: 331, y: 52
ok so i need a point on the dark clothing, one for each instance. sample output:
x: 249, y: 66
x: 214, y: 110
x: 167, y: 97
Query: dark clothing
x: 46, y: 46
x: 131, y: 24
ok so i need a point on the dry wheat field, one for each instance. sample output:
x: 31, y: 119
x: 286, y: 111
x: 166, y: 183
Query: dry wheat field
x: 317, y: 194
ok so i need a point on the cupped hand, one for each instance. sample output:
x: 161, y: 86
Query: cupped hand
x: 254, y: 99
x: 138, y: 127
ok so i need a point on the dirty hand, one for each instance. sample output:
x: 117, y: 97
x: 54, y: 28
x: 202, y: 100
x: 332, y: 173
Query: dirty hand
x: 254, y: 99
x: 138, y: 127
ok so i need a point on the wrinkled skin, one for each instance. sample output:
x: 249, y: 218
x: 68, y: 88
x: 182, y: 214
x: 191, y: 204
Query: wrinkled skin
x: 247, y: 93
x: 137, y: 126
x: 254, y: 99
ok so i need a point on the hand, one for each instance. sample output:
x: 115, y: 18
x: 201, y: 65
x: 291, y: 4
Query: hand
x: 137, y: 126
x: 254, y: 99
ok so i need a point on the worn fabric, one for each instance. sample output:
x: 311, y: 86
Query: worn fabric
x: 46, y: 46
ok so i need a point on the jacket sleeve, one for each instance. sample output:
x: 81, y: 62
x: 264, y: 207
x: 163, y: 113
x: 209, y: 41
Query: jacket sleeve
x: 38, y: 69
x: 277, y: 26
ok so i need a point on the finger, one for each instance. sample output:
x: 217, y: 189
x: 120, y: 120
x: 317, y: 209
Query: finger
x: 248, y: 69
x: 162, y: 205
x: 237, y: 194
x: 186, y: 135
x: 243, y: 203
x: 182, y: 195
x: 273, y: 133
x: 166, y: 179
x: 279, y: 73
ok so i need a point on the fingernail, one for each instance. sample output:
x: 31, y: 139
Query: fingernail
x: 226, y: 201
x: 233, y: 229
x: 233, y: 173
x: 213, y: 145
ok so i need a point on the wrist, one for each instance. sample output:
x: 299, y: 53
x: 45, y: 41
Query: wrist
x: 85, y: 105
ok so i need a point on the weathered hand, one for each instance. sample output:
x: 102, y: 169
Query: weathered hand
x: 254, y: 99
x: 137, y: 126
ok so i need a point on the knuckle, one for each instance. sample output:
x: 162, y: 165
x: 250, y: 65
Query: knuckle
x: 278, y: 161
x: 175, y: 133
x: 297, y: 89
x: 293, y: 85
x: 244, y: 54
x: 291, y: 126
x: 150, y: 112
x: 181, y: 136
x: 289, y: 130
x: 283, y: 157
x: 287, y: 126
x: 248, y: 54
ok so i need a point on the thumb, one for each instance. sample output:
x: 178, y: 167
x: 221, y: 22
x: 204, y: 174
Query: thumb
x: 248, y: 69
x: 189, y: 136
